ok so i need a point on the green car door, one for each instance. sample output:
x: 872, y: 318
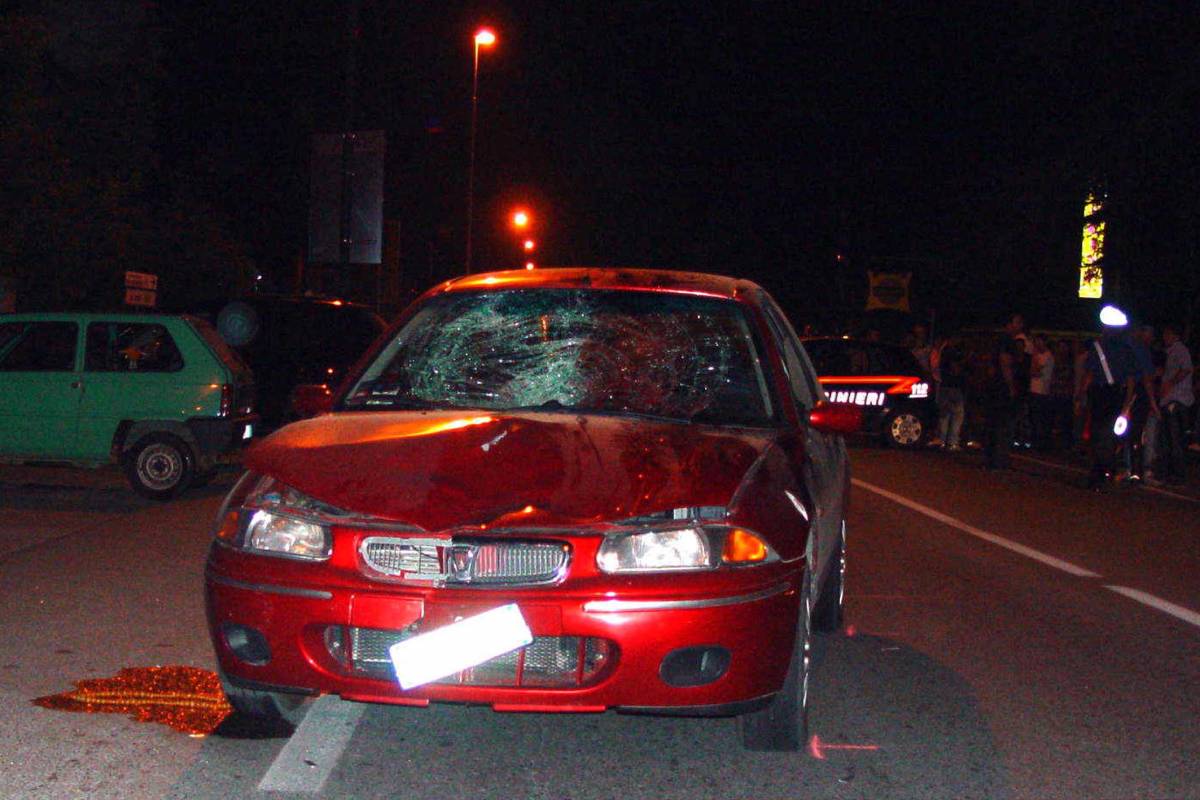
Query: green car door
x: 39, y: 389
x: 141, y: 369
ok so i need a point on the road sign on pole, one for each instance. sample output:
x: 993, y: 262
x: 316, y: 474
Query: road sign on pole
x: 141, y: 289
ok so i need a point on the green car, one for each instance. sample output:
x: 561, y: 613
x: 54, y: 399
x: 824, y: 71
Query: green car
x: 161, y: 395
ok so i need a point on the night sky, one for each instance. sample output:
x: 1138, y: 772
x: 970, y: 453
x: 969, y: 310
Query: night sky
x: 953, y: 140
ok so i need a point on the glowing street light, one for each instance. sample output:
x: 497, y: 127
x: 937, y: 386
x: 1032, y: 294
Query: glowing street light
x: 484, y: 37
x: 520, y: 219
x: 1113, y: 317
x: 528, y: 244
x: 529, y: 265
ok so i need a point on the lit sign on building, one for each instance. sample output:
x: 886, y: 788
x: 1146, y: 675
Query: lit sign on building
x: 1091, y: 273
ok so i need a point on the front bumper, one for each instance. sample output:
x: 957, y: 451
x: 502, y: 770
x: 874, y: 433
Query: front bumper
x: 216, y: 436
x: 753, y: 618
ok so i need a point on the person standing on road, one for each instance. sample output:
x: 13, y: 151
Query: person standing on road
x: 1001, y: 402
x: 1145, y: 405
x: 1022, y: 352
x: 1110, y: 373
x: 1079, y: 356
x: 1178, y: 397
x: 1041, y: 406
x: 951, y: 393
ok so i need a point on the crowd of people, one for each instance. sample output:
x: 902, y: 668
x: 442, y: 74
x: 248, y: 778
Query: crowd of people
x: 1125, y: 398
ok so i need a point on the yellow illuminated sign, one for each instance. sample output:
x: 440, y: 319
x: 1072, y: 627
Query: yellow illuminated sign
x: 1091, y: 276
x: 1093, y: 244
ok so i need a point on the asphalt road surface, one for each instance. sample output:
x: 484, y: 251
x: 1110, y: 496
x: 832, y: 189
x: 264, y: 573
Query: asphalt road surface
x: 1010, y: 636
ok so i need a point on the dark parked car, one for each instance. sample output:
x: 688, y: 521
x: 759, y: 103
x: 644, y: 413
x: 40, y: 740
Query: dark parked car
x: 885, y: 380
x: 290, y: 341
x: 561, y: 490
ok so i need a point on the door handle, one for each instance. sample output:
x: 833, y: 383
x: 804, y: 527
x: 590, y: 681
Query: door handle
x: 76, y: 384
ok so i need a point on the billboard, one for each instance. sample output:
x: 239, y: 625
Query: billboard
x: 1091, y: 269
x: 888, y: 290
x: 346, y: 198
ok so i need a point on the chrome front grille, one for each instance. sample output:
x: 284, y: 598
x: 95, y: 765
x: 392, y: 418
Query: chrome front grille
x: 509, y: 562
x: 465, y: 562
x: 549, y: 662
x: 402, y: 557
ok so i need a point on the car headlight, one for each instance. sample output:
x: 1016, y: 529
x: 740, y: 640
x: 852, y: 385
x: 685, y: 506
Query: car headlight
x: 277, y: 533
x: 265, y: 516
x: 696, y: 547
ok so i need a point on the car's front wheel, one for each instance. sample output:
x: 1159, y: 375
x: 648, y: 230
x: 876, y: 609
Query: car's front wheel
x: 266, y: 706
x: 782, y: 726
x: 904, y: 429
x: 159, y: 466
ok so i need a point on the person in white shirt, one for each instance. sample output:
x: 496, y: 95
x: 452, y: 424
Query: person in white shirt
x: 1041, y: 406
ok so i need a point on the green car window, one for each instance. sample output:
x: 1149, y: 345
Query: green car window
x: 130, y: 347
x: 38, y: 347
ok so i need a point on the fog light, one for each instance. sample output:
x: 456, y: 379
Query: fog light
x: 694, y: 666
x: 335, y: 644
x: 247, y: 644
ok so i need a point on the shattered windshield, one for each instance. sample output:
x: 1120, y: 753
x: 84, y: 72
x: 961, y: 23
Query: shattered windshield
x: 681, y: 357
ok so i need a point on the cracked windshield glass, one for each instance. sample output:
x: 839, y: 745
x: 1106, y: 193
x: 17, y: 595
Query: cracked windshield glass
x: 680, y: 357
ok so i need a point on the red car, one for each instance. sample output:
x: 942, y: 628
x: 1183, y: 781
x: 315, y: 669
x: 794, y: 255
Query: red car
x: 555, y: 490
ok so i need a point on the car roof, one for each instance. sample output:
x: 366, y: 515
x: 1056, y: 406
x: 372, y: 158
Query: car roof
x: 633, y: 279
x: 87, y: 316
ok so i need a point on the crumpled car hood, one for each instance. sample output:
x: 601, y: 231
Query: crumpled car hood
x: 440, y: 470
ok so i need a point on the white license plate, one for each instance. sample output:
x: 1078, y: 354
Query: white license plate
x: 467, y: 643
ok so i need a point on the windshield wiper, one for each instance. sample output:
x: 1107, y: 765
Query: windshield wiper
x: 388, y: 403
x: 555, y: 405
x: 548, y: 405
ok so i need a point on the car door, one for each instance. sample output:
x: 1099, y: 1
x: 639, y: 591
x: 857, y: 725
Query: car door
x: 131, y: 372
x: 826, y: 462
x: 39, y: 389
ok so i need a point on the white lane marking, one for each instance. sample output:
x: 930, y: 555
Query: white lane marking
x: 1179, y: 612
x: 945, y: 519
x: 1145, y: 486
x: 1165, y: 606
x: 305, y: 762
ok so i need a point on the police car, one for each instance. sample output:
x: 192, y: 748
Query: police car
x: 885, y: 380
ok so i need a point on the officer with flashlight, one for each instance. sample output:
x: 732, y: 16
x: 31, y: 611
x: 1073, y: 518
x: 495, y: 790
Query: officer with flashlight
x: 1110, y: 375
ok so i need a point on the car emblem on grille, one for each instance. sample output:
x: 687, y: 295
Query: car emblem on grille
x: 510, y: 562
x: 459, y: 560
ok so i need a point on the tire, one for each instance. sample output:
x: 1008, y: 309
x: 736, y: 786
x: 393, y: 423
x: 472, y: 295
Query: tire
x: 159, y: 466
x: 904, y: 429
x: 238, y: 323
x: 828, y: 612
x: 782, y: 726
x: 266, y: 706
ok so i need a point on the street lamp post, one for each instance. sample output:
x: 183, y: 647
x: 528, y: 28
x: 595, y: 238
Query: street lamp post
x: 483, y: 38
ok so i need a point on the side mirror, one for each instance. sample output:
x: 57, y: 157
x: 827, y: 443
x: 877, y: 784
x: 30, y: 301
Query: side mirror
x: 836, y: 417
x: 311, y: 399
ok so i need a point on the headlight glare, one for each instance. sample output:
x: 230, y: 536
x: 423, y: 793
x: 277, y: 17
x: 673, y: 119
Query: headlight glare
x: 682, y: 548
x: 274, y: 533
x: 263, y: 515
x: 696, y: 547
